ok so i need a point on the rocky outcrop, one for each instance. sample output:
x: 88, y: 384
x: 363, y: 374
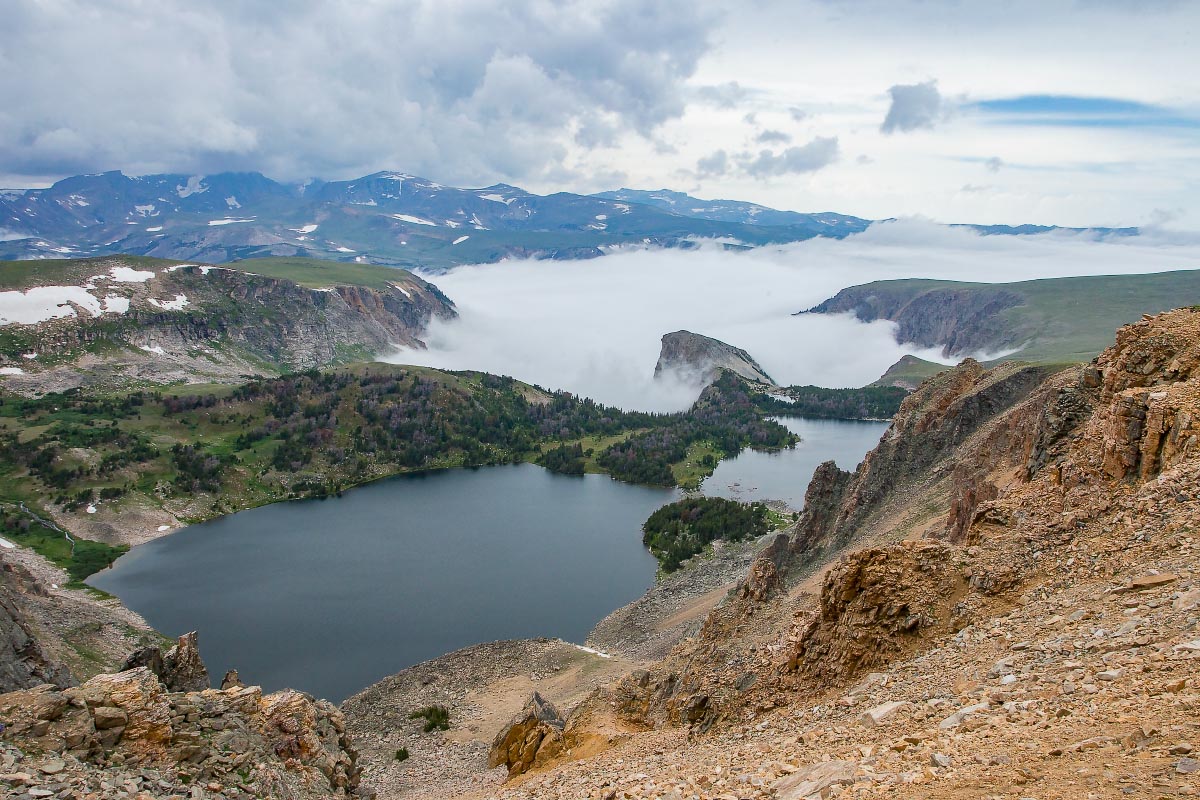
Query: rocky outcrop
x: 180, y: 669
x: 700, y: 359
x: 877, y: 606
x: 925, y: 435
x: 1147, y: 398
x: 237, y: 740
x: 24, y: 662
x: 958, y: 319
x: 533, y: 736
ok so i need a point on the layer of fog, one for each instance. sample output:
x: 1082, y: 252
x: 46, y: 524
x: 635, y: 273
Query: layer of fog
x: 593, y: 327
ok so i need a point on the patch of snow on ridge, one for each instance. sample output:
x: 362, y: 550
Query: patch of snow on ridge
x: 115, y: 304
x: 158, y: 351
x: 312, y: 226
x: 11, y: 371
x: 497, y: 198
x: 413, y: 220
x: 128, y: 275
x: 155, y: 228
x: 343, y: 249
x: 460, y: 240
x: 178, y: 303
x: 232, y: 201
x: 590, y: 650
x: 43, y: 303
x: 228, y: 221
x: 195, y: 185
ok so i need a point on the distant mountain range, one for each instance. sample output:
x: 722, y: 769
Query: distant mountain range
x: 384, y: 218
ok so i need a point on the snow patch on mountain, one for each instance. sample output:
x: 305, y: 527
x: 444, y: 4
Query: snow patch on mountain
x: 177, y: 304
x: 414, y: 220
x: 195, y: 185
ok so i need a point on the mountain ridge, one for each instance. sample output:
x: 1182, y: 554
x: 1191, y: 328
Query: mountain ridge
x: 386, y: 217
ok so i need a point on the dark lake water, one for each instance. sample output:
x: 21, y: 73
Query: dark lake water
x: 330, y: 596
x: 785, y: 475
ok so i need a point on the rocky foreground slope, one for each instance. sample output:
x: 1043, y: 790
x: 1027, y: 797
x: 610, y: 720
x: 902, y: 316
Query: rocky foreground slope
x: 119, y: 321
x: 1011, y: 612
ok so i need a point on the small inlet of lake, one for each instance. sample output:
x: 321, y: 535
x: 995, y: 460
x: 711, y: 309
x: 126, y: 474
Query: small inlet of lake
x: 330, y: 596
x: 752, y: 476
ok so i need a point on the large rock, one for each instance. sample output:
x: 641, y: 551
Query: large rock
x: 700, y: 359
x: 180, y: 669
x: 532, y: 737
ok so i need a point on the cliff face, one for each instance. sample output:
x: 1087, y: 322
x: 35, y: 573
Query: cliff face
x: 959, y: 321
x: 24, y: 663
x: 192, y: 322
x: 700, y: 359
x: 921, y: 448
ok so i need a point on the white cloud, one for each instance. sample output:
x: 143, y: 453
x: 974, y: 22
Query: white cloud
x: 468, y: 91
x: 913, y: 107
x: 593, y: 327
x: 816, y: 154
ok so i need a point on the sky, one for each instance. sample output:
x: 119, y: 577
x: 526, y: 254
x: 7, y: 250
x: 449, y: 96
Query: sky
x: 1071, y: 112
x: 605, y: 317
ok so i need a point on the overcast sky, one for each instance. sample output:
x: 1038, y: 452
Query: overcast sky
x: 1082, y: 113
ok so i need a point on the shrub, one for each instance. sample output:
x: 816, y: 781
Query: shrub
x: 436, y: 717
x: 402, y: 754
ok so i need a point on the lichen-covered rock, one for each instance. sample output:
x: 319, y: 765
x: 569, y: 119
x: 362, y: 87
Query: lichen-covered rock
x: 284, y: 745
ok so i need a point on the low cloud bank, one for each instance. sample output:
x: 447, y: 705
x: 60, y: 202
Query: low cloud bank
x: 593, y: 327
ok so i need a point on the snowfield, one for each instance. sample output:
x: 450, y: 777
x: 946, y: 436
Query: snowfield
x: 413, y: 220
x: 177, y: 304
x: 126, y: 275
x: 43, y: 303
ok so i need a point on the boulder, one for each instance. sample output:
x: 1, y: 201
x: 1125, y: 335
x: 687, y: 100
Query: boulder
x: 813, y: 781
x: 533, y: 736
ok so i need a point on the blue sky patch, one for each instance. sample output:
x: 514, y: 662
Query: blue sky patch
x: 1081, y: 112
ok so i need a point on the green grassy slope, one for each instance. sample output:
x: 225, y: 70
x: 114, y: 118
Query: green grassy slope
x: 316, y: 273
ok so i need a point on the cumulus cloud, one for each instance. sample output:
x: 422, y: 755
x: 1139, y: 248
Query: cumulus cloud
x: 914, y: 106
x: 724, y: 95
x: 467, y: 91
x: 713, y: 165
x: 773, y: 137
x: 820, y: 152
x: 605, y: 316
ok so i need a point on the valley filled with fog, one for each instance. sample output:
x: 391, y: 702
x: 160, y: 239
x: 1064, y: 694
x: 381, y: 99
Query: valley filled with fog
x: 593, y: 327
